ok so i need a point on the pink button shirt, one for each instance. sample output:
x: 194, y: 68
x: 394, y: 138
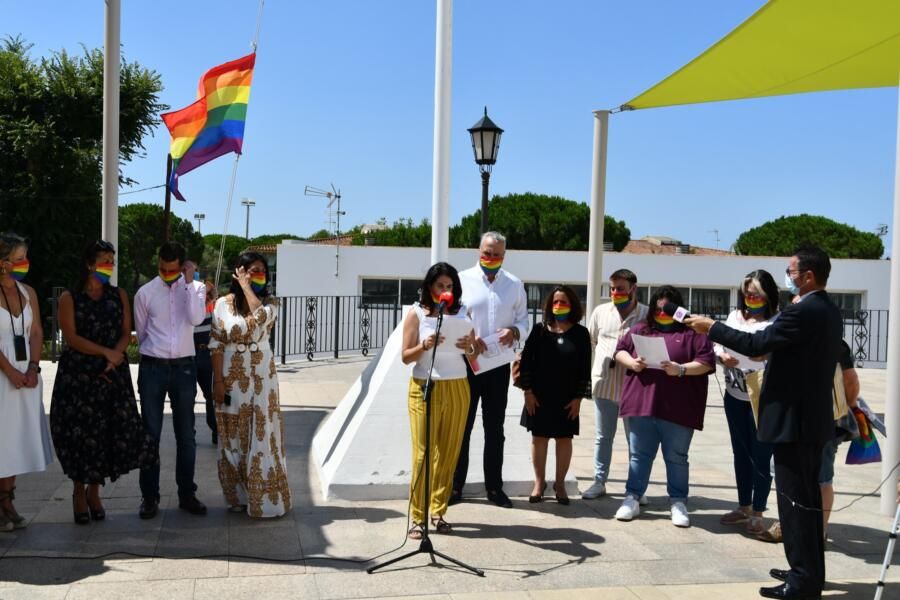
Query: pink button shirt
x: 165, y: 316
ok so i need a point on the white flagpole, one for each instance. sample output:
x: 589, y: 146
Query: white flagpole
x: 440, y: 187
x: 598, y: 209
x: 111, y: 58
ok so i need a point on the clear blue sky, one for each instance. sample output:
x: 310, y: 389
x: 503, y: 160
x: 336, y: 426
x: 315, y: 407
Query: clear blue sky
x: 343, y: 93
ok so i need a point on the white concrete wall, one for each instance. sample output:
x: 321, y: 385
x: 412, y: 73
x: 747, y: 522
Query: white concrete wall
x: 308, y: 269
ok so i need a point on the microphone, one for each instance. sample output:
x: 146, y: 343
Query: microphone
x: 446, y: 299
x: 679, y: 313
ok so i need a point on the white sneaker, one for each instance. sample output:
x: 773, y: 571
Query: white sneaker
x: 629, y: 509
x: 595, y: 491
x: 643, y: 501
x: 680, y: 515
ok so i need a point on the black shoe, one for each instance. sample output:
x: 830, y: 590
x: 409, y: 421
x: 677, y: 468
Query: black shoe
x: 500, y: 499
x: 149, y: 508
x: 779, y: 574
x: 539, y: 498
x: 98, y: 515
x: 455, y: 497
x: 787, y: 592
x: 81, y: 518
x: 192, y: 505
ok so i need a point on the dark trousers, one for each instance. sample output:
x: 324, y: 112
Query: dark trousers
x: 204, y: 380
x: 796, y: 479
x: 180, y: 383
x: 751, y: 456
x: 492, y: 388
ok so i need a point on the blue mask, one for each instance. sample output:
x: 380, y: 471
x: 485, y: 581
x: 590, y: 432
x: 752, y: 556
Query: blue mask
x: 789, y: 284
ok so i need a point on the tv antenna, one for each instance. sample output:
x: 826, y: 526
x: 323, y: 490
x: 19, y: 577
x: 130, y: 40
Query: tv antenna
x: 715, y: 231
x: 334, y: 196
x: 881, y: 230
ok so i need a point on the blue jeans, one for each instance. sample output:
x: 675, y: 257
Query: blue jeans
x: 645, y: 436
x: 180, y: 383
x: 752, y: 472
x: 606, y: 420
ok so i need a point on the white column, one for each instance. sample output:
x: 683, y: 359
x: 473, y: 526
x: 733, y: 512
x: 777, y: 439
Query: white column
x: 440, y: 187
x: 598, y: 208
x: 110, y: 213
x: 890, y: 446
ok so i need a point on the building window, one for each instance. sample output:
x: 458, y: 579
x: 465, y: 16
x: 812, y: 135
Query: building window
x: 380, y: 291
x: 410, y: 291
x: 710, y: 301
x: 849, y: 304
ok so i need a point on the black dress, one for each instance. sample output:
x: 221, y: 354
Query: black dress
x: 95, y: 424
x: 557, y: 368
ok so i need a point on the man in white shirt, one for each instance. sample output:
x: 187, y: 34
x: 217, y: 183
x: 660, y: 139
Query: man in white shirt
x: 165, y: 312
x: 608, y: 324
x: 498, y: 306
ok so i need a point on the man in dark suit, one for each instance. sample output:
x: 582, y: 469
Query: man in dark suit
x: 795, y: 411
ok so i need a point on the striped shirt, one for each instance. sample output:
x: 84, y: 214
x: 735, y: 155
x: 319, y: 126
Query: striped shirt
x: 607, y: 328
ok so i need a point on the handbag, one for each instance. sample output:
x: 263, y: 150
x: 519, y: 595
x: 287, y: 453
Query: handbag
x: 516, y: 371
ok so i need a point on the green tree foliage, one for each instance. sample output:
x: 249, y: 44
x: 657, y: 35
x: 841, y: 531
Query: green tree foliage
x: 538, y: 222
x: 51, y: 129
x: 322, y: 233
x: 404, y: 232
x: 277, y: 238
x: 234, y: 245
x: 782, y: 236
x: 140, y: 236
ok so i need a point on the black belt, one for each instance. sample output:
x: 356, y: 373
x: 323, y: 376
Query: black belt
x: 152, y: 360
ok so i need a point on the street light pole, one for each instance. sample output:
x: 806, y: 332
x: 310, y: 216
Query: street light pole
x: 248, y: 203
x: 199, y: 217
x: 485, y: 143
x: 485, y: 181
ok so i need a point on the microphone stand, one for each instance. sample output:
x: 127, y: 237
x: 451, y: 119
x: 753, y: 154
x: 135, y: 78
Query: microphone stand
x: 425, y: 545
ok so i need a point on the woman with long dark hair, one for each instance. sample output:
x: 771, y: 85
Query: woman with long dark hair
x: 555, y: 374
x: 757, y: 308
x: 97, y: 431
x: 24, y: 437
x: 449, y: 397
x: 252, y: 468
x: 663, y: 405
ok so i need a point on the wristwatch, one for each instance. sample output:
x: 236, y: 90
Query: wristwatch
x: 682, y: 370
x: 35, y: 366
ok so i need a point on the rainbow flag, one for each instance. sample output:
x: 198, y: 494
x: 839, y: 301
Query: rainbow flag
x: 864, y: 449
x: 214, y: 124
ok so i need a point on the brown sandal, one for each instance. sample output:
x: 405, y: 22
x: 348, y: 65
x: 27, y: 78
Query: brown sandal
x: 441, y: 526
x: 416, y: 532
x: 14, y: 517
x: 756, y: 525
x: 772, y: 534
x: 735, y: 517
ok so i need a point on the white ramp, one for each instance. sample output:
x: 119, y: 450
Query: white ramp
x: 363, y: 451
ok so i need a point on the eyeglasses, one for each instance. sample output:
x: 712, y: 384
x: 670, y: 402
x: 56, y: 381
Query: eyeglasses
x: 788, y: 271
x: 104, y: 246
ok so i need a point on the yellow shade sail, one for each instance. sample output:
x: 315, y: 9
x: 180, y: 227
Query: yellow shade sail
x: 791, y: 47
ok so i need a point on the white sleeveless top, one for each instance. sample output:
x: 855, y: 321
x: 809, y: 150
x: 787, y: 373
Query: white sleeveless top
x: 447, y: 365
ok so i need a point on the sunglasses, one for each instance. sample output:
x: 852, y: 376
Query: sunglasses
x: 104, y: 246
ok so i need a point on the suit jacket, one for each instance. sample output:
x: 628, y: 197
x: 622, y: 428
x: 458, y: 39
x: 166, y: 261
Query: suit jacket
x: 804, y: 343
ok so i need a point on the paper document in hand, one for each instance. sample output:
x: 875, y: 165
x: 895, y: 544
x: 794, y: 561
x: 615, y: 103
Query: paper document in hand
x: 452, y: 329
x: 745, y: 362
x: 496, y: 355
x: 651, y: 349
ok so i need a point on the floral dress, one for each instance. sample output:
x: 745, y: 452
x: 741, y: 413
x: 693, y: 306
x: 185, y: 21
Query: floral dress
x: 251, y: 464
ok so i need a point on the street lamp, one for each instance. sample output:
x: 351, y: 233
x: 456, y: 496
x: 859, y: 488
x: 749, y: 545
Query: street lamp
x: 248, y: 203
x: 485, y: 143
x: 199, y: 217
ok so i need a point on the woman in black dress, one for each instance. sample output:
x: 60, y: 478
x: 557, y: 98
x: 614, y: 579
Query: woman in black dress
x: 555, y: 375
x: 94, y: 420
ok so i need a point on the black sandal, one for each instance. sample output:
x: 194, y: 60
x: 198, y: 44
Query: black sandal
x: 536, y: 499
x: 416, y: 532
x: 441, y: 526
x: 562, y: 498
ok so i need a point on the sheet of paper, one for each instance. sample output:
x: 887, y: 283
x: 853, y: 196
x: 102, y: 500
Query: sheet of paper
x: 651, y: 349
x: 745, y: 362
x: 452, y: 329
x: 495, y: 356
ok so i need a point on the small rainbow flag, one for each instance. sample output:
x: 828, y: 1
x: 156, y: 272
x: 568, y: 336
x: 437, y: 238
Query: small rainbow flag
x: 863, y: 449
x: 214, y: 124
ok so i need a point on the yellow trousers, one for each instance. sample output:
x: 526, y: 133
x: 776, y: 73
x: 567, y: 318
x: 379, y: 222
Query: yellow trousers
x: 449, y: 409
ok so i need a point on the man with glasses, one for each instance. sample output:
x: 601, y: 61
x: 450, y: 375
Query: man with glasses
x: 795, y: 411
x: 498, y: 306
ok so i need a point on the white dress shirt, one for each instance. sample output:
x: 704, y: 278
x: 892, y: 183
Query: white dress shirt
x: 497, y: 304
x: 165, y: 316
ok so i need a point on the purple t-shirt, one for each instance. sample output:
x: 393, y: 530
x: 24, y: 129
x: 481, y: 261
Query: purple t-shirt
x: 652, y: 393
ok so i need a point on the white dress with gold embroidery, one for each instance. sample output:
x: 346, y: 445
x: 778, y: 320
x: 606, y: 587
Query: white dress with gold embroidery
x: 252, y: 467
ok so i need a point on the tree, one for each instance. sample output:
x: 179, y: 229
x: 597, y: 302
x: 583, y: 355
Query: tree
x: 276, y: 238
x: 51, y: 129
x: 538, y: 222
x: 403, y: 232
x: 234, y: 245
x: 141, y: 235
x: 782, y: 236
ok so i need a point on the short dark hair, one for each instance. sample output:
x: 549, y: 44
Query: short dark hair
x: 814, y: 259
x: 767, y: 286
x: 669, y: 293
x: 625, y: 274
x: 170, y: 251
x: 574, y: 315
x: 435, y: 271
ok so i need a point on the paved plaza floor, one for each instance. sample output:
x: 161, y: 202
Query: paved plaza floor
x: 542, y: 551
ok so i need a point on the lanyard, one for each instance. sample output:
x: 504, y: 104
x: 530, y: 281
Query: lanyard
x: 12, y: 323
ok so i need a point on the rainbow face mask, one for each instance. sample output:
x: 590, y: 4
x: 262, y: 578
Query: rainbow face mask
x: 258, y: 282
x: 169, y: 277
x: 20, y: 269
x: 663, y: 321
x: 621, y: 301
x: 561, y: 310
x: 103, y: 272
x: 436, y: 298
x: 490, y: 265
x: 756, y: 305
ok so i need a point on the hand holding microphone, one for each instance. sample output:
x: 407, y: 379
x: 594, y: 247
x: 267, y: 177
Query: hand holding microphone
x: 682, y: 315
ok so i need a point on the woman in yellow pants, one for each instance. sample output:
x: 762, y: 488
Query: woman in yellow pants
x: 449, y: 397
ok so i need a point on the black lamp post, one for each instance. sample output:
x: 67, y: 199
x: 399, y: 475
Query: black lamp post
x: 485, y: 143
